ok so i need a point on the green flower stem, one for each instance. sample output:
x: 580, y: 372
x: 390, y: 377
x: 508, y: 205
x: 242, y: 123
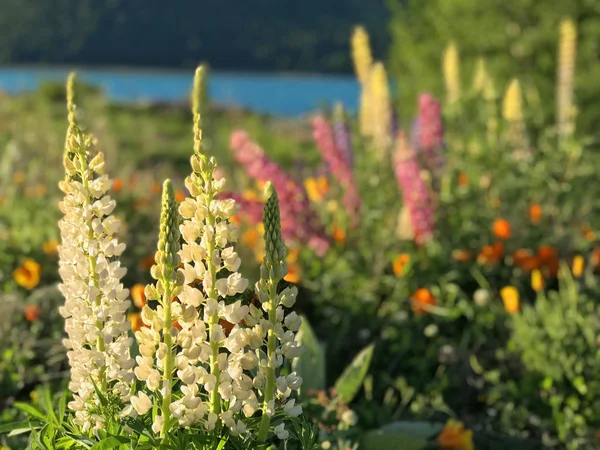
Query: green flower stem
x: 270, y: 382
x: 168, y: 367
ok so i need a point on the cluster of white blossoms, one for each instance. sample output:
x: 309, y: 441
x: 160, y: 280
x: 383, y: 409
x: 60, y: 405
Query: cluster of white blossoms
x: 95, y: 300
x: 222, y: 354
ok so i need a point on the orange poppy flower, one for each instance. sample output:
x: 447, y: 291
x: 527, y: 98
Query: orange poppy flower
x: 156, y: 188
x: 547, y: 253
x: 147, y: 262
x: 293, y: 275
x: 588, y: 233
x: 235, y: 219
x: 338, y: 235
x: 400, y: 263
x: 138, y: 296
x: 51, y: 247
x: 525, y: 260
x: 18, y: 178
x: 179, y: 195
x: 501, y: 228
x: 250, y: 237
x: 595, y: 259
x: 461, y: 255
x: 463, y: 179
x: 316, y: 188
x: 32, y: 312
x: 421, y: 300
x: 535, y: 213
x: 28, y: 274
x: 510, y: 297
x: 491, y: 254
x: 136, y: 321
x: 118, y: 185
x: 292, y: 256
x: 455, y: 436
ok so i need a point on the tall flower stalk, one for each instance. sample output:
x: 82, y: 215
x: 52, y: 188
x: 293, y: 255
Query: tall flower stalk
x: 95, y: 299
x: 273, y: 269
x: 428, y: 134
x: 299, y: 221
x: 338, y: 166
x: 416, y: 196
x: 567, y: 50
x: 451, y: 70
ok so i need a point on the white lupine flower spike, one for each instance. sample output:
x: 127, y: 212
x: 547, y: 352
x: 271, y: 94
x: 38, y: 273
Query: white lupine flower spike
x: 95, y: 300
x: 280, y: 343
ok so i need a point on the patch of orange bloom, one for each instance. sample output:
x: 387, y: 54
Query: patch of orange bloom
x: 463, y: 179
x: 548, y: 258
x: 50, y: 247
x: 502, y: 229
x: 147, y: 262
x: 510, y: 298
x: 18, y: 178
x: 156, y: 188
x: 250, y: 237
x: 491, y: 254
x: 293, y: 275
x: 118, y: 185
x: 525, y: 260
x: 136, y: 321
x: 455, y: 436
x: 292, y: 256
x: 400, y: 263
x: 462, y: 255
x: 179, y: 195
x: 138, y: 296
x: 421, y: 300
x: 587, y: 233
x: 535, y: 213
x: 338, y: 235
x: 28, y: 274
x: 32, y: 312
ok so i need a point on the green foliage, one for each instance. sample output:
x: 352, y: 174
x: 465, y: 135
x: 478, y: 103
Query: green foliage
x: 351, y: 380
x: 517, y: 38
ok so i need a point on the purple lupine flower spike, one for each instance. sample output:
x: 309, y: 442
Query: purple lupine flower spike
x: 341, y: 135
x: 415, y: 194
x: 299, y: 221
x: 341, y: 171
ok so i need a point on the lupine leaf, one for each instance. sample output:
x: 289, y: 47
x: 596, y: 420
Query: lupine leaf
x: 349, y: 383
x: 310, y: 365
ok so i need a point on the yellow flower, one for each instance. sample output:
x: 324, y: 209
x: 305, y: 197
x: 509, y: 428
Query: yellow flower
x: 578, y: 265
x: 380, y: 108
x: 316, y: 188
x: 361, y: 53
x: 28, y: 274
x: 365, y: 113
x: 250, y: 195
x: 510, y: 297
x: 537, y: 280
x: 512, y: 105
x: 455, y: 436
x: 452, y: 72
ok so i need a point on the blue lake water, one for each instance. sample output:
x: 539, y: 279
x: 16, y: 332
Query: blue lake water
x: 287, y: 95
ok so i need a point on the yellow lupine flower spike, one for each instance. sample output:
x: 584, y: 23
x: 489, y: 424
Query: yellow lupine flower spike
x: 537, y: 280
x: 381, y: 108
x: 567, y: 49
x: 578, y: 266
x: 512, y: 106
x: 451, y: 68
x: 361, y: 54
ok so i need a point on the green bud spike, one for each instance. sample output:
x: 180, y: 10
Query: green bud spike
x: 168, y: 240
x: 197, y: 98
x: 273, y: 240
